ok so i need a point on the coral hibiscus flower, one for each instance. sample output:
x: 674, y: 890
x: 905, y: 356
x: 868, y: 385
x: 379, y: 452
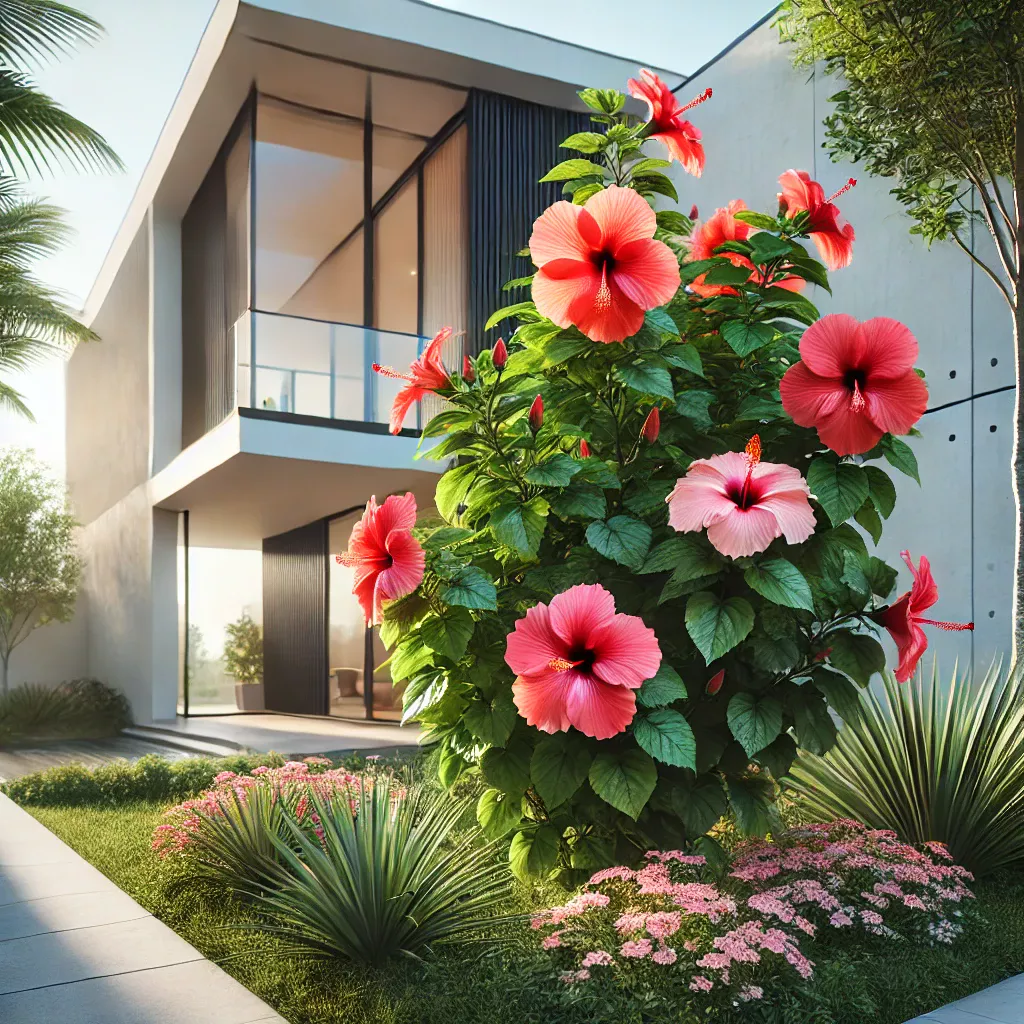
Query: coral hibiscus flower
x: 904, y: 621
x: 600, y: 267
x: 743, y: 502
x: 387, y: 559
x: 827, y: 229
x: 855, y: 382
x: 578, y: 662
x: 665, y: 115
x: 426, y: 376
x: 723, y: 227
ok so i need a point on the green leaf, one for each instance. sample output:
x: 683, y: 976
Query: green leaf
x: 561, y: 350
x: 534, y: 851
x: 491, y: 721
x: 699, y: 804
x: 753, y: 804
x: 647, y: 379
x: 694, y: 406
x: 666, y: 735
x: 585, y: 142
x: 664, y: 687
x: 520, y: 527
x: 471, y: 587
x: 881, y: 489
x: 581, y: 193
x: 858, y: 655
x: 853, y: 574
x: 780, y: 582
x: 778, y: 756
x: 810, y: 270
x: 655, y: 183
x: 506, y: 312
x: 815, y: 730
x: 453, y: 487
x: 717, y: 626
x: 840, y: 693
x: 596, y: 471
x: 867, y: 517
x: 687, y: 557
x: 685, y: 357
x: 569, y: 169
x: 661, y: 321
x: 498, y: 813
x: 450, y: 766
x: 768, y: 247
x: 580, y: 500
x: 761, y: 406
x: 423, y: 693
x: 900, y: 456
x: 446, y: 536
x: 757, y: 220
x: 555, y: 471
x: 507, y: 769
x: 880, y: 576
x: 623, y: 539
x: 788, y: 304
x: 559, y: 767
x: 649, y: 497
x: 723, y: 272
x: 410, y: 657
x: 840, y: 487
x: 449, y: 632
x: 754, y: 721
x: 625, y: 779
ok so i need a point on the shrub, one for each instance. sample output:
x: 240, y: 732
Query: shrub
x: 390, y: 880
x: 149, y: 778
x: 933, y: 761
x: 81, y: 709
x: 243, y: 650
x: 668, y: 934
x: 626, y: 605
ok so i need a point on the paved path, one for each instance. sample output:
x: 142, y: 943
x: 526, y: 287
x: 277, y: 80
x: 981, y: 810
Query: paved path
x: 1002, y: 1003
x: 75, y: 949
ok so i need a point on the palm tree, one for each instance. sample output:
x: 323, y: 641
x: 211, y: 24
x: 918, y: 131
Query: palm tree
x: 35, y: 133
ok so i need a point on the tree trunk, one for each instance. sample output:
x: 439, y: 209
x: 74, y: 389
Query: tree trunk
x: 4, y: 661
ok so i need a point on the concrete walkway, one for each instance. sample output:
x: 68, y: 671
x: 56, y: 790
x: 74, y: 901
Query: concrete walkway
x: 75, y: 949
x: 1002, y: 1003
x: 15, y: 761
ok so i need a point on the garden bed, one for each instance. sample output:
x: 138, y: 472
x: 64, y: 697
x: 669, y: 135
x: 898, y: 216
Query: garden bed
x: 853, y: 982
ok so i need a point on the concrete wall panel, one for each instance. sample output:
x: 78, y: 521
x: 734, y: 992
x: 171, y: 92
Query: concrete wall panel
x: 52, y: 653
x: 993, y: 325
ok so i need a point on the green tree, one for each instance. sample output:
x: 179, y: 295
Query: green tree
x: 243, y: 650
x: 40, y: 569
x: 932, y: 96
x: 36, y: 134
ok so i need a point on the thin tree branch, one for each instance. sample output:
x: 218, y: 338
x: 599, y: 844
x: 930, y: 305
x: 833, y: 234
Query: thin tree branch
x: 988, y: 270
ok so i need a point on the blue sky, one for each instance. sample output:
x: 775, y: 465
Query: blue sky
x: 124, y: 87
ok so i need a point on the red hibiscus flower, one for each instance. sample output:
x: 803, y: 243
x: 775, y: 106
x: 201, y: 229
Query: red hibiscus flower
x: 426, y: 376
x: 829, y: 232
x: 855, y: 382
x: 600, y: 267
x: 387, y: 559
x: 578, y: 662
x: 743, y: 503
x: 904, y: 621
x: 665, y: 115
x: 723, y: 227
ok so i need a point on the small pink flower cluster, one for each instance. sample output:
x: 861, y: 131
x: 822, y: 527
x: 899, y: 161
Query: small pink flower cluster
x: 293, y: 783
x: 725, y: 940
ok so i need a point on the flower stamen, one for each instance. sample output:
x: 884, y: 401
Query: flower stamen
x: 603, y: 298
x: 857, y: 402
x: 562, y: 664
x: 390, y: 371
x: 753, y: 453
x: 846, y: 188
x: 705, y: 95
x: 952, y: 627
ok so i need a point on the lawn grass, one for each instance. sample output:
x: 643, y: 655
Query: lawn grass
x: 885, y: 985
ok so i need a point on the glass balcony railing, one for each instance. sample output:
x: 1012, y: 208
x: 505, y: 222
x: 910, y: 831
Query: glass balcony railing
x: 318, y: 368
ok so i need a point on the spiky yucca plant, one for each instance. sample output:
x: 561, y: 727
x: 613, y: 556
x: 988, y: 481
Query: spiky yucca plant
x: 932, y: 761
x: 389, y: 881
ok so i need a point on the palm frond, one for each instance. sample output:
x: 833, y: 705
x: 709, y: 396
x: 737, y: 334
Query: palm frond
x: 30, y: 230
x: 35, y: 128
x: 932, y: 761
x: 13, y: 401
x: 42, y: 30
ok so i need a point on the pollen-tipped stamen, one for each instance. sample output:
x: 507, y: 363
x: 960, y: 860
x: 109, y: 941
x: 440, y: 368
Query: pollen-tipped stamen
x: 603, y: 298
x: 562, y: 664
x: 705, y: 95
x: 753, y: 453
x: 850, y: 182
x: 952, y: 627
x: 857, y: 401
x: 390, y: 371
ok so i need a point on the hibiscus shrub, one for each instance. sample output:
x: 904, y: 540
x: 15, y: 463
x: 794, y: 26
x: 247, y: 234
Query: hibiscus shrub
x: 648, y: 591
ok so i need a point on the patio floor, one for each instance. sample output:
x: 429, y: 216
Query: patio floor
x: 1002, y: 1004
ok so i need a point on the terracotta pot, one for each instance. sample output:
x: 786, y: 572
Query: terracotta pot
x: 249, y: 697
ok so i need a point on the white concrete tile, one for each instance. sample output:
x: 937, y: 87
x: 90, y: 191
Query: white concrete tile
x: 38, y: 881
x: 1003, y: 1002
x: 57, y: 958
x: 62, y: 913
x: 952, y: 1015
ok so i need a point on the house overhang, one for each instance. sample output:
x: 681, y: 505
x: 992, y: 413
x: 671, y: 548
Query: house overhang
x: 251, y: 477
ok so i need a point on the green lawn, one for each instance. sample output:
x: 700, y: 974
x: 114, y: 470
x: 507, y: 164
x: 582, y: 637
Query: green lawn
x: 491, y: 987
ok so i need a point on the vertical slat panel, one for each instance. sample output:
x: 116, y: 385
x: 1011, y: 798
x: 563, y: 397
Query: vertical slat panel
x: 511, y: 144
x: 295, y: 620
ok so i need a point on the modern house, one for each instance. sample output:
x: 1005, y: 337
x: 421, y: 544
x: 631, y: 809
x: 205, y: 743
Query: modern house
x: 335, y: 182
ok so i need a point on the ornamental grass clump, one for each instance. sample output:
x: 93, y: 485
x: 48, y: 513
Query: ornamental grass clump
x: 653, y: 582
x: 671, y: 933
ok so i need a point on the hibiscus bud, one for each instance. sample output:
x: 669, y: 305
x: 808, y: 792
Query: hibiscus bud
x: 693, y: 212
x: 467, y: 370
x: 715, y: 682
x: 536, y: 416
x: 584, y: 448
x: 652, y: 426
x: 499, y: 355
x: 823, y: 654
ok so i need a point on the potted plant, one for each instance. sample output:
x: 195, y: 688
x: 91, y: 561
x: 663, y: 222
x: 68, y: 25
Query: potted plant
x: 243, y: 660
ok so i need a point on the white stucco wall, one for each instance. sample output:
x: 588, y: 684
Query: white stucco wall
x: 765, y: 117
x: 53, y: 653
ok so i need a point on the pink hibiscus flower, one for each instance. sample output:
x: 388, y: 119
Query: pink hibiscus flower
x: 426, y: 376
x: 827, y: 229
x: 578, y: 661
x: 599, y: 265
x: 743, y: 502
x: 387, y: 559
x: 665, y: 114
